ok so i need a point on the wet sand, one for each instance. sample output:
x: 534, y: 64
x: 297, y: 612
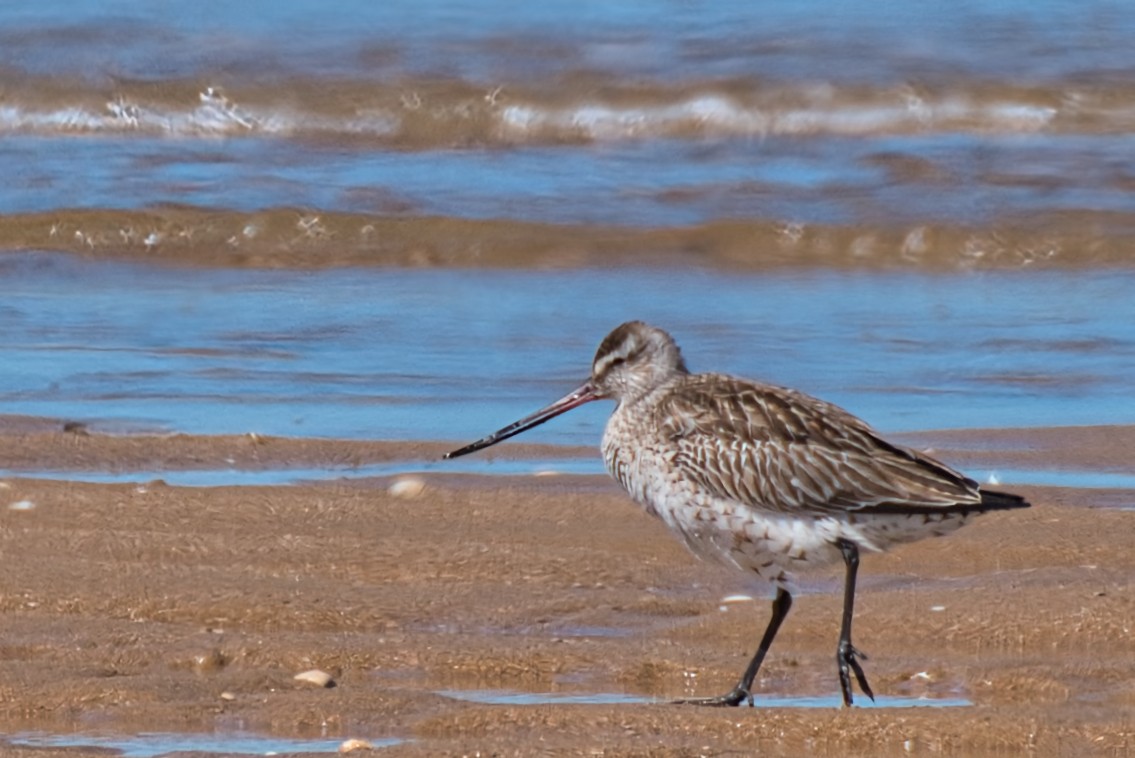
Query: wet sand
x: 132, y: 608
x: 304, y: 239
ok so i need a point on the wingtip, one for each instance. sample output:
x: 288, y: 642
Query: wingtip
x: 994, y: 500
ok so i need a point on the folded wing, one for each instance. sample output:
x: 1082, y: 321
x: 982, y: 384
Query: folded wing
x: 779, y: 449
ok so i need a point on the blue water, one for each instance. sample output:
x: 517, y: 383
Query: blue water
x: 445, y: 354
x: 495, y: 466
x: 837, y: 180
x: 505, y: 697
x: 630, y: 112
x: 489, y: 465
x: 150, y: 744
x: 874, y: 117
x: 819, y: 41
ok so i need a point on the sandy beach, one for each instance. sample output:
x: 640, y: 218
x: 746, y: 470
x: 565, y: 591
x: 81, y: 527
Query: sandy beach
x: 131, y: 608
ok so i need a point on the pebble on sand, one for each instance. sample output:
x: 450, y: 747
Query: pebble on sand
x: 209, y: 661
x: 349, y: 746
x: 316, y: 677
x: 408, y: 487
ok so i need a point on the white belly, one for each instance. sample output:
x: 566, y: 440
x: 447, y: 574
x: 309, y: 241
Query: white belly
x: 761, y: 540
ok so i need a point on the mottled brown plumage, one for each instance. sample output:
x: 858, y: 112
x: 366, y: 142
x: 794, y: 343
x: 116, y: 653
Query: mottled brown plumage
x: 760, y: 477
x: 779, y: 449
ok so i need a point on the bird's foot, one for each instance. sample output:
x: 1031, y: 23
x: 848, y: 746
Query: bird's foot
x: 848, y: 658
x: 731, y: 699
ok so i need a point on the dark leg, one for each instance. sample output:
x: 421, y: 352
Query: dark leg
x: 781, y: 604
x: 847, y: 656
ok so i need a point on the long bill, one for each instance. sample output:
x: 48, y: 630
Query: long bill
x: 574, y: 399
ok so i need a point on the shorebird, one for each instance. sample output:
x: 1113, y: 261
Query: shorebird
x: 763, y: 478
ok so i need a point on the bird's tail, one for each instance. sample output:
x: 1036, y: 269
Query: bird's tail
x: 1001, y: 501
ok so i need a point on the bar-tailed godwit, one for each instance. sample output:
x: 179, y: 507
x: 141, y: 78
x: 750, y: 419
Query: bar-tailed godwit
x: 763, y: 478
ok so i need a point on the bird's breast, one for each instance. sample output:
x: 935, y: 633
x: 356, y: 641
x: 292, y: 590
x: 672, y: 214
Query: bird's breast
x: 633, y: 457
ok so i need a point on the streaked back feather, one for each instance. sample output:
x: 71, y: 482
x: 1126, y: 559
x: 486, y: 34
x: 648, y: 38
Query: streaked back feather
x: 776, y: 448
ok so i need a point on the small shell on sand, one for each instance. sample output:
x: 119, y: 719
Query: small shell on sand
x: 209, y: 661
x: 407, y: 487
x: 349, y: 746
x: 316, y: 677
x: 226, y: 695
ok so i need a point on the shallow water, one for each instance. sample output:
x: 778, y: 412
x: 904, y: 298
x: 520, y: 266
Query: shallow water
x: 839, y: 180
x: 991, y: 114
x: 940, y: 141
x: 150, y: 744
x: 453, y: 354
x: 507, y: 697
x: 294, y: 475
x: 633, y: 36
x: 501, y: 467
x: 1056, y: 478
